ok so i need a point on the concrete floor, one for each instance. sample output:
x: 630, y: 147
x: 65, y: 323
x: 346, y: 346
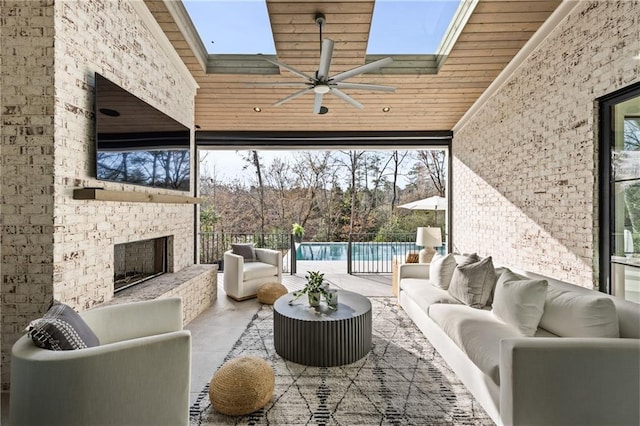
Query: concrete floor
x: 214, y: 332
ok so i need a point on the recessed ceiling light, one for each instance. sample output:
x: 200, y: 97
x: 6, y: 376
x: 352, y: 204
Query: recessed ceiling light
x: 386, y: 109
x: 323, y: 110
x: 257, y: 109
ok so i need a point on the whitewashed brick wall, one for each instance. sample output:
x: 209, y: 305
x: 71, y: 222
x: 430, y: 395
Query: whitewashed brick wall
x: 27, y: 187
x: 525, y: 166
x: 52, y: 245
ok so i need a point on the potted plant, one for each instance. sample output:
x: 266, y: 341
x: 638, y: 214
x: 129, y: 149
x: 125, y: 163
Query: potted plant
x: 298, y: 231
x: 314, y: 289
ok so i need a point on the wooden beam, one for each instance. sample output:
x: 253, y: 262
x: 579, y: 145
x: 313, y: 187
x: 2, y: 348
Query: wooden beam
x: 131, y: 197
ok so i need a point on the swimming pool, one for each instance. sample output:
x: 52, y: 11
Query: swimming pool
x: 368, y: 251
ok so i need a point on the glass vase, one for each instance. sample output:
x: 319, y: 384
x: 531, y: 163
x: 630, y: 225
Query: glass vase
x: 314, y: 298
x: 331, y: 298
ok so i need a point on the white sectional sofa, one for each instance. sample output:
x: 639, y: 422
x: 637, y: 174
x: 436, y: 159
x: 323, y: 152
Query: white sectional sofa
x: 550, y: 378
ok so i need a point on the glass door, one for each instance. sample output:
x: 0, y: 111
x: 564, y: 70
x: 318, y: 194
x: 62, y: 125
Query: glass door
x: 621, y: 197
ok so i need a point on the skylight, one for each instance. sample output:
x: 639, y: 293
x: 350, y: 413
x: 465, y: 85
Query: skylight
x: 398, y: 27
x: 409, y: 27
x: 232, y: 26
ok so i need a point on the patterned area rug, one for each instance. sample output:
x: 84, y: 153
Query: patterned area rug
x: 402, y: 381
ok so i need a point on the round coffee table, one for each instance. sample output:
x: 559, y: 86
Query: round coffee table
x: 322, y: 337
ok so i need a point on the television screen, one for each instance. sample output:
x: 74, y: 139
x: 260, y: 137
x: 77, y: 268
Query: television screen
x: 138, y: 144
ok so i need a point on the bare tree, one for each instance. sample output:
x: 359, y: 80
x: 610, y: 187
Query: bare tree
x: 353, y: 167
x: 630, y: 169
x: 279, y: 181
x: 312, y: 170
x: 397, y: 158
x: 434, y: 163
x: 254, y: 159
x: 330, y: 193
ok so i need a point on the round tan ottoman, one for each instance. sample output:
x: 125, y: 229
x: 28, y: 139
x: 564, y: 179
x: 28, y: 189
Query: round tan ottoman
x: 242, y: 386
x: 269, y: 292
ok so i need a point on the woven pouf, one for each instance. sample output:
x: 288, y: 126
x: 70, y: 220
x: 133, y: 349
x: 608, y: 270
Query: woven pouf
x: 242, y: 386
x: 269, y: 292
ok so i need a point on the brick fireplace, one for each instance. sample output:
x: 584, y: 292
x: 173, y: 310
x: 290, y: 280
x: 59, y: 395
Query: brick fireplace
x: 138, y: 261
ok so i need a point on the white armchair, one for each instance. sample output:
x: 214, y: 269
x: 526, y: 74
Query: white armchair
x: 243, y: 279
x: 139, y: 375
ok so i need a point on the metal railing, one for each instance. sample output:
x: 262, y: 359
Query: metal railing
x: 374, y: 253
x: 366, y: 253
x: 214, y: 244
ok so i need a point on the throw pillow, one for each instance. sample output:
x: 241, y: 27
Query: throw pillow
x: 245, y: 250
x: 62, y: 329
x: 472, y: 284
x: 519, y: 302
x: 499, y: 270
x: 467, y: 258
x: 441, y: 270
x: 570, y: 314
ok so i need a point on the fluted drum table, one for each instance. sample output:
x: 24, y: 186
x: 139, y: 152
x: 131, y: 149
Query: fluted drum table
x: 320, y: 336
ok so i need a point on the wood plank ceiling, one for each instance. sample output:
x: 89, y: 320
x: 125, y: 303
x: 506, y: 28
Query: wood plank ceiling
x: 425, y: 99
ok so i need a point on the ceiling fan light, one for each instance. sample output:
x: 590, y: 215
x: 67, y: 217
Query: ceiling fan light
x: 321, y: 88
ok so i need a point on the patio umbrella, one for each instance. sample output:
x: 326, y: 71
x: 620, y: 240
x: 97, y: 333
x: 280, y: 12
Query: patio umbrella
x: 431, y: 203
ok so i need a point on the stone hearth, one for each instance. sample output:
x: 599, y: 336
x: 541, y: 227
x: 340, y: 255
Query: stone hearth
x: 197, y: 285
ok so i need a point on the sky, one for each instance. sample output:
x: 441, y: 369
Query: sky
x: 398, y: 27
x: 228, y: 165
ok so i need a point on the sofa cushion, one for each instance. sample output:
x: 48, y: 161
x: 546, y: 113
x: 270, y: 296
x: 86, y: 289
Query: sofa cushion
x: 572, y: 314
x: 425, y: 293
x: 476, y: 332
x: 441, y: 270
x: 62, y: 329
x: 472, y: 283
x: 519, y: 302
x: 253, y: 270
x: 247, y: 251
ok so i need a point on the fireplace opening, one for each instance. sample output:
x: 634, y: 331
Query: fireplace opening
x: 138, y: 261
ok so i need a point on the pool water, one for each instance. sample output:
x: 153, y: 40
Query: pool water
x: 361, y: 251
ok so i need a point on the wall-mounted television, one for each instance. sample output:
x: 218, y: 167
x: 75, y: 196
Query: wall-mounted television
x: 136, y: 143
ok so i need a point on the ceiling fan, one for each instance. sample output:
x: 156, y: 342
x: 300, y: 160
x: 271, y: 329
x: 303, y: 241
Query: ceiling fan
x: 321, y: 83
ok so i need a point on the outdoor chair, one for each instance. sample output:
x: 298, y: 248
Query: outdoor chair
x: 138, y: 375
x: 243, y: 276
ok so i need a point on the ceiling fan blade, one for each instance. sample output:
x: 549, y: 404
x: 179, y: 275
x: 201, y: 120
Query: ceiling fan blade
x: 286, y: 67
x: 361, y: 69
x: 293, y: 96
x: 317, y: 103
x: 279, y: 83
x: 325, y: 59
x: 346, y: 98
x: 363, y: 86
